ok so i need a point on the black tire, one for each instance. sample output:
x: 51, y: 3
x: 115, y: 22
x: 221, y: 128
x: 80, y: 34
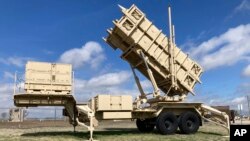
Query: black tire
x: 167, y: 123
x: 189, y: 122
x: 145, y: 126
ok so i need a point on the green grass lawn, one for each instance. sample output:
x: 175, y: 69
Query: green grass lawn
x: 207, y: 132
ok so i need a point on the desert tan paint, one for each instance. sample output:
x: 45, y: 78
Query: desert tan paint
x: 134, y: 33
x: 112, y: 103
x: 117, y: 115
x: 48, y: 78
x: 47, y: 84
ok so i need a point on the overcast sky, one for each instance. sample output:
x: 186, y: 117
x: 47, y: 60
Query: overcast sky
x: 215, y: 33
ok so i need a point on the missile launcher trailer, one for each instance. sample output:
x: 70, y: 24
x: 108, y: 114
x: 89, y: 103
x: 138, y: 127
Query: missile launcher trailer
x: 150, y: 52
x: 169, y: 69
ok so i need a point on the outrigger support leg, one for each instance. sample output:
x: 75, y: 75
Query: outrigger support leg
x: 84, y: 109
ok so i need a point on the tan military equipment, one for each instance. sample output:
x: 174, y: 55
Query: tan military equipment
x: 173, y: 71
x: 48, y: 78
x: 112, y: 103
x: 157, y: 57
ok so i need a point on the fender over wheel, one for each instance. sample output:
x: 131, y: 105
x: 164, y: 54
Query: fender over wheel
x: 167, y: 123
x: 189, y: 122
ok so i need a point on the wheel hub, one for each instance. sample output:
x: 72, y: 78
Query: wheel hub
x: 190, y: 123
x: 168, y: 124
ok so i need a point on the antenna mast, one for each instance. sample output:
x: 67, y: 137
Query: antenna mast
x: 171, y: 48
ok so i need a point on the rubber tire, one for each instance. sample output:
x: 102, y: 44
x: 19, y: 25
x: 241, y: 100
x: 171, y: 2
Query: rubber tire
x: 167, y: 123
x: 189, y: 122
x: 144, y: 126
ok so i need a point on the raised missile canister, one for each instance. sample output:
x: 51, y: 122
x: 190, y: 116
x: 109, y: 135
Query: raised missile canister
x: 134, y: 33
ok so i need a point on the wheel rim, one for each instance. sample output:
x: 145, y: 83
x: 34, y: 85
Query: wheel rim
x: 190, y: 124
x: 168, y: 124
x: 147, y: 125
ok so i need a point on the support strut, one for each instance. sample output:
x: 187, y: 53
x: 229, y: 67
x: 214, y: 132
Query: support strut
x: 151, y: 77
